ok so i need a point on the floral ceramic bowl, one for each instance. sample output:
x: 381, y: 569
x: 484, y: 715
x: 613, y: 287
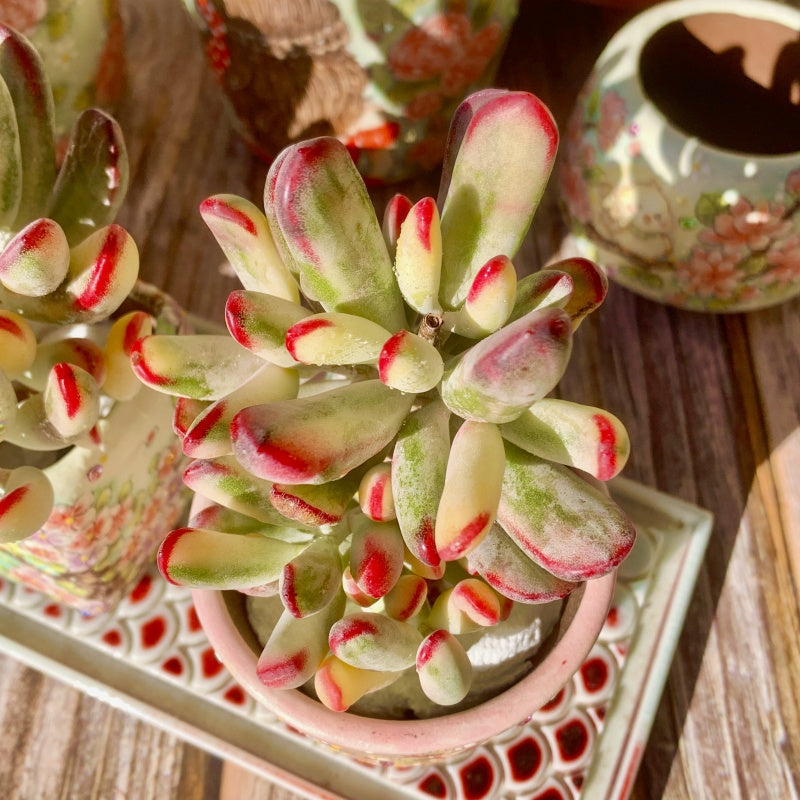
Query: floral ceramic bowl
x: 384, y: 76
x: 680, y: 206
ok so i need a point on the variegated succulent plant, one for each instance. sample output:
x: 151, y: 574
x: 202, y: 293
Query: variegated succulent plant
x: 376, y: 437
x: 64, y: 267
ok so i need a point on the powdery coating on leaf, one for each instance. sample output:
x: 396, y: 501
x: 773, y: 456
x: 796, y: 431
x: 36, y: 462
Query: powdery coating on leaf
x: 444, y: 668
x: 471, y: 492
x: 326, y: 219
x: 498, y: 176
x: 71, y: 400
x: 203, y: 558
x: 505, y: 373
x: 25, y: 503
x: 260, y: 322
x: 36, y: 260
x: 418, y: 257
x: 296, y: 647
x: 243, y: 233
x: 335, y: 338
x: 409, y: 363
x: 225, y: 481
x: 319, y: 438
x: 373, y: 641
x: 338, y: 685
x: 548, y: 287
x: 564, y: 524
x: 202, y: 366
x: 375, y: 493
x: 312, y: 579
x: 419, y: 464
x: 511, y: 572
x: 376, y: 558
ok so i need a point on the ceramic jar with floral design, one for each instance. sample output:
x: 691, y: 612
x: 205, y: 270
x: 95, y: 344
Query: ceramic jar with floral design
x: 383, y: 75
x: 682, y: 176
x: 113, y: 502
x: 81, y: 43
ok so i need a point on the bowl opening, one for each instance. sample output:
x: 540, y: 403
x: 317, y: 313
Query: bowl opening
x: 729, y: 80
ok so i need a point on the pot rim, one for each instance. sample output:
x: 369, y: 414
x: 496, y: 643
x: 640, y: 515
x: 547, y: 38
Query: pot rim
x: 412, y: 739
x: 626, y: 45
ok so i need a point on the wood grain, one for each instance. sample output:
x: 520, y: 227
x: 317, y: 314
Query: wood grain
x: 712, y: 404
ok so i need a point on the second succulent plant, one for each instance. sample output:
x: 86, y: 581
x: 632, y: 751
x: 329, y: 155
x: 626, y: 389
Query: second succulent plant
x: 376, y: 435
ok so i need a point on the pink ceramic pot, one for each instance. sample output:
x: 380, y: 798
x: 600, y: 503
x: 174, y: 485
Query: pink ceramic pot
x: 222, y: 615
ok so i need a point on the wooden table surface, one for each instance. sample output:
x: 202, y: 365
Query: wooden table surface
x: 712, y: 404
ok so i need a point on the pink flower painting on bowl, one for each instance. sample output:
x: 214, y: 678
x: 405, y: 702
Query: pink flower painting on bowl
x: 22, y: 14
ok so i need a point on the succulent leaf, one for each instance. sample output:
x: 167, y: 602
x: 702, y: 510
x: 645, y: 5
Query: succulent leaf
x: 419, y: 464
x: 393, y: 216
x: 506, y: 568
x: 505, y: 373
x: 23, y: 74
x: 505, y: 145
x: 418, y: 257
x: 409, y: 363
x: 338, y: 685
x: 26, y: 500
x: 315, y: 503
x: 8, y: 405
x: 93, y: 179
x: 375, y: 493
x: 562, y: 522
x: 590, y: 286
x: 121, y: 383
x: 335, y: 338
x: 297, y: 646
x: 17, y: 343
x: 444, y: 668
x: 328, y: 223
x: 208, y: 436
x: 208, y: 559
x: 259, y: 322
x: 541, y: 289
x: 468, y: 504
x: 83, y: 353
x: 203, y: 366
x: 319, y: 438
x: 242, y: 231
x: 67, y: 408
x: 10, y: 161
x: 489, y: 302
x: 580, y: 436
x: 376, y: 557
x: 406, y: 598
x: 312, y: 579
x: 218, y: 518
x: 224, y: 481
x: 373, y: 641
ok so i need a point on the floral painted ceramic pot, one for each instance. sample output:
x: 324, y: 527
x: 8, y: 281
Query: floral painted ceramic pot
x: 81, y: 43
x: 113, y: 503
x: 681, y: 176
x: 411, y: 741
x: 383, y: 75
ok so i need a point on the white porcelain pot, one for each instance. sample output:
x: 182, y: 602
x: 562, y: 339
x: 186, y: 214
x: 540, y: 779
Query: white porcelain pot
x: 698, y: 212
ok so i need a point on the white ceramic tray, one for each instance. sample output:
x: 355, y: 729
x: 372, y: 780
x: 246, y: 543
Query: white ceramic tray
x: 151, y: 658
